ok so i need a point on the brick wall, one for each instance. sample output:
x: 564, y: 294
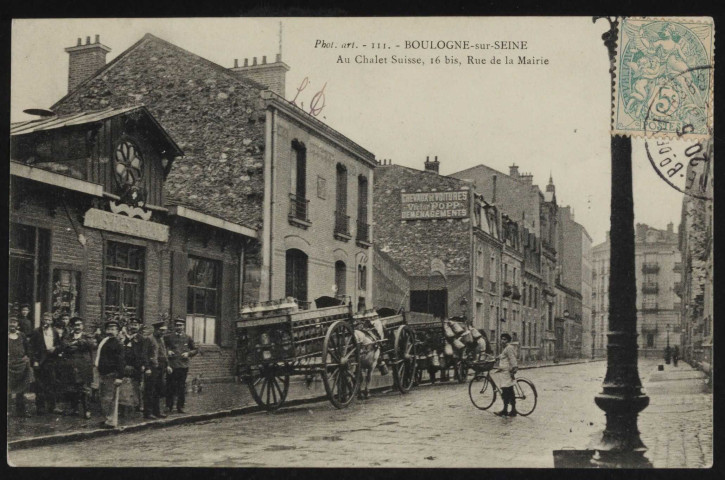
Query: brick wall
x: 271, y: 76
x: 83, y: 64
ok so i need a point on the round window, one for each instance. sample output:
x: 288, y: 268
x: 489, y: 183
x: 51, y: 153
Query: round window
x: 128, y: 164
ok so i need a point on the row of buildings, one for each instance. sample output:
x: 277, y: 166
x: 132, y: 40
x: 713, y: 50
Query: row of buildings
x: 164, y: 183
x: 697, y: 249
x: 658, y: 271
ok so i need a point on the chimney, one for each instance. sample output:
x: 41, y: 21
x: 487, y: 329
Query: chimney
x: 514, y: 171
x: 527, y: 178
x: 432, y: 166
x: 641, y: 232
x: 670, y: 227
x: 85, y: 60
x: 271, y: 75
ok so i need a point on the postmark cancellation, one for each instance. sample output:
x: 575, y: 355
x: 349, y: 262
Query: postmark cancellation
x: 664, y: 78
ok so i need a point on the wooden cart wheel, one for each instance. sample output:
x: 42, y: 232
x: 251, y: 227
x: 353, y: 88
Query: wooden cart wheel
x: 405, y: 359
x: 341, y: 372
x: 269, y: 388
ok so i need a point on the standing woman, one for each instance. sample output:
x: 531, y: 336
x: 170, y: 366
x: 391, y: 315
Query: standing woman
x: 504, y: 376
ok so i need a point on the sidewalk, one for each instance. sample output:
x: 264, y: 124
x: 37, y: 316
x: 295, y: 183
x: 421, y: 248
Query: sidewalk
x: 214, y: 401
x: 677, y: 426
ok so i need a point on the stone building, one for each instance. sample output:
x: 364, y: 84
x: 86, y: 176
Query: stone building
x: 252, y: 160
x: 522, y: 201
x: 658, y: 267
x: 696, y: 287
x: 445, y: 239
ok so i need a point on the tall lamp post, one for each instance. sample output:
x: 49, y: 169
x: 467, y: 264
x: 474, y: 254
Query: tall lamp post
x: 622, y: 397
x: 594, y: 333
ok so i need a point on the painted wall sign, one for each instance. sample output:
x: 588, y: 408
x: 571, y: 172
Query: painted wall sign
x: 429, y: 205
x: 134, y: 227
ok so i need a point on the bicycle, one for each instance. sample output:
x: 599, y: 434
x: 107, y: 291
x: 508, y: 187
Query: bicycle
x: 482, y: 389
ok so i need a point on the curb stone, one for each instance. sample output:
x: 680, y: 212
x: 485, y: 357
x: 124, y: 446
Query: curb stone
x: 46, y: 440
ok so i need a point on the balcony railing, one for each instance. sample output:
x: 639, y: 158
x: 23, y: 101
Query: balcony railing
x: 298, y: 208
x: 342, y: 224
x: 363, y: 231
x: 649, y: 267
x: 649, y: 327
x: 480, y: 283
x: 516, y: 295
x: 507, y: 290
x: 650, y: 287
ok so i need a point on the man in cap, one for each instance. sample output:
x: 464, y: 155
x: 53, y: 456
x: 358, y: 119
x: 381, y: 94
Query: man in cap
x: 180, y: 347
x: 110, y: 362
x: 156, y: 370
x: 135, y: 365
x: 20, y: 375
x: 78, y: 353
x: 26, y: 323
x: 45, y: 348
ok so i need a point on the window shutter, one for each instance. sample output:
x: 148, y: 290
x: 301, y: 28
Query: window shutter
x: 228, y: 291
x: 179, y: 284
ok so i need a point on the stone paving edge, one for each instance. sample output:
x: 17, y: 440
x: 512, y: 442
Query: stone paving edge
x: 34, y: 442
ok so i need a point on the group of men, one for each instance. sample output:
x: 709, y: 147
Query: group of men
x: 59, y: 359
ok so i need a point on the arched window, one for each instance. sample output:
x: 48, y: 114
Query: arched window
x: 296, y: 274
x: 340, y: 277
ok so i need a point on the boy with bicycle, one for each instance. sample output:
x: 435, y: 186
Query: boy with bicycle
x: 504, y: 376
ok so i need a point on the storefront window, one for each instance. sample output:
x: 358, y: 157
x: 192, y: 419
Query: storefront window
x: 124, y: 279
x: 202, y: 300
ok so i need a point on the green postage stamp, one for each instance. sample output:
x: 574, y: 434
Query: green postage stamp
x: 664, y: 77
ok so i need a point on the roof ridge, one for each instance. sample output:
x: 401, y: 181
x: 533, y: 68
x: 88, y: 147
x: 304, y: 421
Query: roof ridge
x: 151, y: 37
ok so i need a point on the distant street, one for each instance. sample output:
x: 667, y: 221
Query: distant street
x: 430, y: 427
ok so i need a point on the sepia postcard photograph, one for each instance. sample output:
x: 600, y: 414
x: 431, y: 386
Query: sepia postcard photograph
x: 365, y: 242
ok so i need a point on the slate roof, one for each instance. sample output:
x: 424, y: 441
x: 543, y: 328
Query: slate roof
x: 216, y: 118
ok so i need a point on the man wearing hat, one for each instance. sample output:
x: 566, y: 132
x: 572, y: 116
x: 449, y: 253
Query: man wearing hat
x: 156, y: 370
x: 77, y: 351
x: 179, y: 347
x: 20, y: 375
x: 26, y: 323
x: 45, y: 348
x: 135, y: 365
x: 110, y: 362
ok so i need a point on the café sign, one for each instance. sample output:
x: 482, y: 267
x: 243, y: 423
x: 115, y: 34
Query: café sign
x: 430, y: 205
x: 113, y: 222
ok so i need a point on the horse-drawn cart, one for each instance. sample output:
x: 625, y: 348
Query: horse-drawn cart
x: 276, y: 340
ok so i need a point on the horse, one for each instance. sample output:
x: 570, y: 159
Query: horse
x: 368, y: 340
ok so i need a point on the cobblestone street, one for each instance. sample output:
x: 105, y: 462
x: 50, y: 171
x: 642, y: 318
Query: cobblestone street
x: 431, y: 427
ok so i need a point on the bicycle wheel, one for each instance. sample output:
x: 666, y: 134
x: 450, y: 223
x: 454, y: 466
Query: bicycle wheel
x: 482, y: 392
x: 525, y: 394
